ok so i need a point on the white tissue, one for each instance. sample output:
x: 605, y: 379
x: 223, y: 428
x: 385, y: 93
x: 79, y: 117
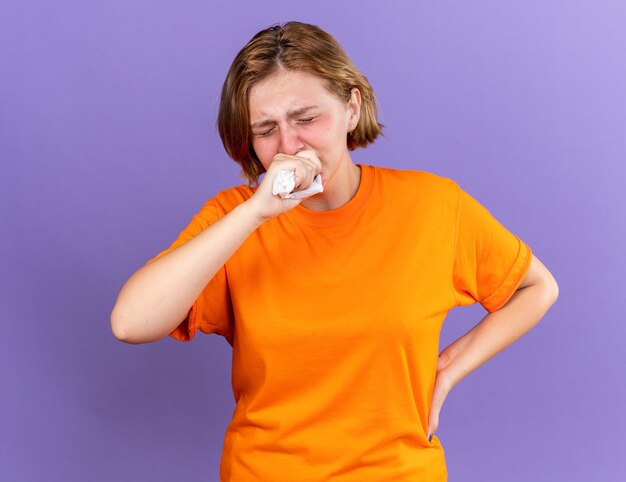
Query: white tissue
x: 285, y: 182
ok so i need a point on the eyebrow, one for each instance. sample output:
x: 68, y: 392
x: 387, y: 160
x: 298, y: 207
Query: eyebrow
x: 292, y: 113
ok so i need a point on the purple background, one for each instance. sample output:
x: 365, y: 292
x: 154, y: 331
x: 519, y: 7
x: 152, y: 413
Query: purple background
x: 108, y: 147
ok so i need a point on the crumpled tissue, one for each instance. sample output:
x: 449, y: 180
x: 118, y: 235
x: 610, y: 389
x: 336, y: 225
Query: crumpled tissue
x: 285, y: 182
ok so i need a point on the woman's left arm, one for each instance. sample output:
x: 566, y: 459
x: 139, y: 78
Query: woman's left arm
x: 537, y: 292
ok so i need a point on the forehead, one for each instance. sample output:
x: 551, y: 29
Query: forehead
x: 287, y: 91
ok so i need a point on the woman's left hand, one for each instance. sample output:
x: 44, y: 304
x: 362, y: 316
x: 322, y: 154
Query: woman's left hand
x: 443, y: 385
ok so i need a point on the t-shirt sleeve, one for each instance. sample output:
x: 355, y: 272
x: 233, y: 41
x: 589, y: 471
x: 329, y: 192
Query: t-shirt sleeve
x: 490, y: 262
x: 212, y: 311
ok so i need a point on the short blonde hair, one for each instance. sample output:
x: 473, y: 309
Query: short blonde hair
x: 291, y: 46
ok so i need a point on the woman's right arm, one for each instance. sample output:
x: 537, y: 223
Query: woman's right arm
x: 158, y: 297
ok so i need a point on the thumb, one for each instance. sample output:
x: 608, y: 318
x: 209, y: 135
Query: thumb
x: 440, y: 392
x: 433, y: 421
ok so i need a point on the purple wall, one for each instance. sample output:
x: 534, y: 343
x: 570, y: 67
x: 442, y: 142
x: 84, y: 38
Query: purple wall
x: 108, y: 146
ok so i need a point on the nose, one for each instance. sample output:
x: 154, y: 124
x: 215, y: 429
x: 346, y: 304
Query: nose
x: 290, y: 141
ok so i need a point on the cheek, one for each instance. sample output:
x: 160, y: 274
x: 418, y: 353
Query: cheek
x: 325, y: 135
x: 265, y: 151
x: 331, y: 140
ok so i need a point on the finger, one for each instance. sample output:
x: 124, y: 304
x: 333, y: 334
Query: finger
x: 439, y: 396
x: 306, y: 158
x: 304, y: 177
x: 433, y: 423
x: 312, y: 157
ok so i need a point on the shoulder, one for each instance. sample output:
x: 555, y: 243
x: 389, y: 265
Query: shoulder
x: 416, y: 182
x: 233, y: 196
x: 225, y: 201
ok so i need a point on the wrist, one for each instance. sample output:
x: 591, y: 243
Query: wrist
x: 252, y: 213
x: 448, y: 376
x: 448, y: 367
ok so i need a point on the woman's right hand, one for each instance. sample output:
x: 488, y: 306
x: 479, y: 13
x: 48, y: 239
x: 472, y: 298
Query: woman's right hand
x: 267, y: 205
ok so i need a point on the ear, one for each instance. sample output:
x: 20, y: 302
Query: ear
x: 354, y: 108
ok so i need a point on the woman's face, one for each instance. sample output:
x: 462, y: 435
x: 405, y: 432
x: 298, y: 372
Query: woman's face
x: 292, y: 111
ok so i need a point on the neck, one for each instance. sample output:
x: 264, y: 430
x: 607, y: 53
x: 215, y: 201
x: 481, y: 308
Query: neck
x: 338, y: 189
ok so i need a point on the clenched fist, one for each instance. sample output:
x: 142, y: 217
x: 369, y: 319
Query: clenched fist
x: 305, y: 164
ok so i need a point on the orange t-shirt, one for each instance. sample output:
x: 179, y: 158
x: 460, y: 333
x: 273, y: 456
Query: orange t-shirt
x: 334, y: 320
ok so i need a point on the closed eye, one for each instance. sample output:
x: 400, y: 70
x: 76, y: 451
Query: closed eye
x: 266, y: 133
x: 302, y: 121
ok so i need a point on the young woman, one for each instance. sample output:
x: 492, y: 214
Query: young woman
x: 332, y: 303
